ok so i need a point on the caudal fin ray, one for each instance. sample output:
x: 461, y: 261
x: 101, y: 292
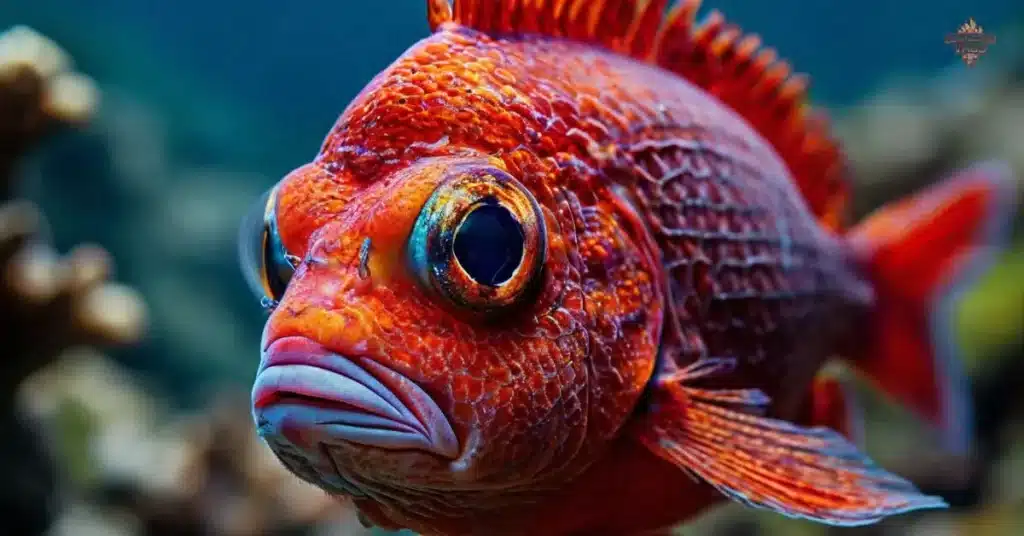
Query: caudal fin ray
x: 921, y: 254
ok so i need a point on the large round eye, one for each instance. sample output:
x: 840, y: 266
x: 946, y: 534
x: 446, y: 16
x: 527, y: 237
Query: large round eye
x: 267, y: 265
x: 480, y: 240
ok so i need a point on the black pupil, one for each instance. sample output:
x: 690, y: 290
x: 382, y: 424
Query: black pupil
x: 489, y: 244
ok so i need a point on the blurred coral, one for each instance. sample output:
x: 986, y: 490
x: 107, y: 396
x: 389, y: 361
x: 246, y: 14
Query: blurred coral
x: 147, y: 471
x: 47, y: 303
x: 37, y: 92
x: 909, y: 136
x: 129, y: 465
x: 209, y: 476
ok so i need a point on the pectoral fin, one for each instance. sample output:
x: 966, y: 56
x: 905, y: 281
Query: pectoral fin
x: 809, y: 473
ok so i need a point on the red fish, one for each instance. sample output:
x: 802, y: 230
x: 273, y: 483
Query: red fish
x: 573, y: 267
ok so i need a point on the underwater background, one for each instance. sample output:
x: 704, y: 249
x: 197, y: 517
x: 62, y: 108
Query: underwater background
x: 149, y: 128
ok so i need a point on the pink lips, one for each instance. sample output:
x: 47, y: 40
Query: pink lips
x: 302, y: 385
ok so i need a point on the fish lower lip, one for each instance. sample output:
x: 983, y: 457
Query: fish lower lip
x: 302, y: 385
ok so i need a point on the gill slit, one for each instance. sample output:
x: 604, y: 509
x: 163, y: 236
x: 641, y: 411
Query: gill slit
x: 670, y: 325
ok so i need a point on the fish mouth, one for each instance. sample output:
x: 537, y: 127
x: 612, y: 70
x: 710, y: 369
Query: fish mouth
x: 331, y: 398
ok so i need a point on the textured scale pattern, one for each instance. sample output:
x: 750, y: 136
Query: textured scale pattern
x: 744, y: 264
x: 714, y: 55
x: 733, y: 233
x: 681, y: 227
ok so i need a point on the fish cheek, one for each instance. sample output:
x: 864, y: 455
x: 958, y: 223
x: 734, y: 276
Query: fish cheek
x: 545, y: 396
x: 514, y: 387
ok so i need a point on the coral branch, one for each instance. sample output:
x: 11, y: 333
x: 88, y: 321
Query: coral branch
x: 48, y: 303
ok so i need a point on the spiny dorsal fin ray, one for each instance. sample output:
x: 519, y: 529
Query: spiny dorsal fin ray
x: 713, y: 54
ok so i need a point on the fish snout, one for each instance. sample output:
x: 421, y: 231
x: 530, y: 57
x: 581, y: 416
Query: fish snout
x: 308, y: 398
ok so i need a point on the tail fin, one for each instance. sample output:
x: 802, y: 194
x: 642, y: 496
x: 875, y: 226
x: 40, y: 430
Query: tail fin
x: 834, y: 404
x: 920, y: 253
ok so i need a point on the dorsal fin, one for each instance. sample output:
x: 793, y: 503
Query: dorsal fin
x: 713, y: 54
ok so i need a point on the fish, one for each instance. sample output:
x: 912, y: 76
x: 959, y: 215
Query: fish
x: 581, y: 267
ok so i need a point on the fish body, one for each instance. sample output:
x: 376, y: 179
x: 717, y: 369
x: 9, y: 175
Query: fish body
x: 573, y: 268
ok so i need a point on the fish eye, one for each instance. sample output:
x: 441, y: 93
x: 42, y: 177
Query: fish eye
x: 479, y: 241
x: 267, y: 265
x: 489, y: 244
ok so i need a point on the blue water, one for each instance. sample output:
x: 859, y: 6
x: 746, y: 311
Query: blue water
x: 292, y: 66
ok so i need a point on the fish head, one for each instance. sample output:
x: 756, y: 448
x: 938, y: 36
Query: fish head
x: 449, y: 326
